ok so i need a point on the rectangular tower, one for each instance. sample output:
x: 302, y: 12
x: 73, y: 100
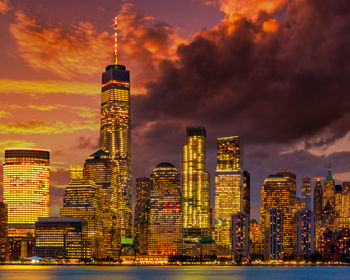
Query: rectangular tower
x: 196, y: 186
x: 228, y: 190
x: 306, y: 193
x: 306, y: 230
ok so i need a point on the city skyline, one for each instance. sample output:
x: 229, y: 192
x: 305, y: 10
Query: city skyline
x: 62, y: 116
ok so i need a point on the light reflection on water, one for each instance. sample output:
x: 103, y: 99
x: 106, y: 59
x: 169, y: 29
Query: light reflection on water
x: 37, y: 272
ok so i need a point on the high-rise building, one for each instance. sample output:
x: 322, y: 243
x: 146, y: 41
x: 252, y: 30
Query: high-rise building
x: 345, y: 200
x: 142, y: 213
x: 306, y: 230
x: 329, y: 192
x: 26, y: 184
x: 318, y: 199
x: 61, y: 238
x: 228, y: 190
x: 4, y: 248
x: 254, y: 233
x: 115, y: 137
x: 338, y: 203
x: 276, y: 234
x: 102, y: 170
x: 196, y: 186
x: 240, y: 235
x: 82, y: 199
x: 277, y: 193
x: 165, y: 225
x: 246, y: 192
x: 306, y: 192
x: 76, y: 172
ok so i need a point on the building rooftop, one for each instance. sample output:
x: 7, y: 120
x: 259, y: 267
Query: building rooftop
x: 165, y: 165
x: 329, y: 176
x: 100, y: 153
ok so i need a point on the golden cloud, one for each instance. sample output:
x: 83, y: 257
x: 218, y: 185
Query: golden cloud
x: 38, y: 127
x: 78, y: 49
x: 4, y: 144
x: 50, y: 86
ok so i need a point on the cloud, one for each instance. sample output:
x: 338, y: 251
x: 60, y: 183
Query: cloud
x: 39, y: 127
x: 5, y: 6
x: 4, y: 144
x: 86, y: 143
x: 8, y: 86
x: 67, y: 52
x: 4, y: 114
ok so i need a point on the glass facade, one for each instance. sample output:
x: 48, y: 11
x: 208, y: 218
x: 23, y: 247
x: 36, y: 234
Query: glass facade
x: 345, y: 208
x: 228, y: 190
x: 195, y: 186
x: 240, y: 234
x: 82, y: 199
x: 61, y: 238
x: 115, y: 139
x: 306, y: 192
x: 329, y: 193
x: 142, y: 213
x: 318, y: 199
x: 165, y: 225
x: 26, y: 184
x: 306, y: 230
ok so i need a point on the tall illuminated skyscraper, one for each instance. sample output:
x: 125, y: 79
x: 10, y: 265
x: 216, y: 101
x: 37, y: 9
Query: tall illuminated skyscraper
x: 165, y: 224
x: 246, y: 192
x: 329, y: 192
x: 277, y: 194
x: 26, y: 185
x: 196, y: 186
x: 82, y: 199
x: 306, y: 192
x: 115, y: 135
x: 228, y: 190
x: 318, y: 199
x: 338, y: 198
x: 345, y: 208
x: 142, y: 213
x: 306, y: 228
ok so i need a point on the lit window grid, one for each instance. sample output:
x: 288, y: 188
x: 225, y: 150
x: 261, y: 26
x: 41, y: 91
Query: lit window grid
x: 26, y: 189
x: 345, y: 209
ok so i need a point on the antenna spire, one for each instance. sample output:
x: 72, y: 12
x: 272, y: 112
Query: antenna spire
x: 116, y: 40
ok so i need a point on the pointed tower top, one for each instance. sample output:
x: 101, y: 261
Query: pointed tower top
x: 318, y: 178
x: 116, y: 40
x: 329, y: 176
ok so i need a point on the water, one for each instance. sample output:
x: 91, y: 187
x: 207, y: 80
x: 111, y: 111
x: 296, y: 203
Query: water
x: 27, y: 272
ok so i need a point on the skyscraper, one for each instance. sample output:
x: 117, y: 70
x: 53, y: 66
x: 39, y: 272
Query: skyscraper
x: 337, y: 199
x: 115, y: 136
x: 276, y: 234
x: 277, y: 194
x: 329, y: 193
x: 306, y: 230
x: 4, y: 242
x: 345, y: 208
x: 240, y: 234
x: 82, y: 199
x: 196, y: 186
x: 306, y: 192
x: 318, y: 199
x: 142, y: 213
x: 246, y: 192
x: 165, y: 225
x: 26, y: 188
x: 228, y: 190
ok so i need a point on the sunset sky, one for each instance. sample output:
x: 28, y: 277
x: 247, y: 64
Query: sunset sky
x: 275, y: 72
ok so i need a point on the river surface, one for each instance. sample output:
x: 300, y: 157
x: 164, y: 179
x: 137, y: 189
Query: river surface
x: 33, y: 272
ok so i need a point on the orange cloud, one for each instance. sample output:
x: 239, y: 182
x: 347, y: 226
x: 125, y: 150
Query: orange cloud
x: 250, y: 8
x: 67, y: 52
x: 43, y: 87
x: 38, y: 127
x: 271, y: 25
x: 5, y: 6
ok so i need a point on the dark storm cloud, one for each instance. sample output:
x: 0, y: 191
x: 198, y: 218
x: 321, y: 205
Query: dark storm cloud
x: 84, y: 143
x: 265, y: 86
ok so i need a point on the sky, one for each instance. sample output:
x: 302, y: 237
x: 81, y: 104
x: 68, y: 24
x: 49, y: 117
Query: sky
x: 274, y: 72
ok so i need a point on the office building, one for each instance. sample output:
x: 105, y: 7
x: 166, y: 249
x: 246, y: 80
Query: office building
x: 246, y: 192
x: 276, y: 234
x: 306, y: 230
x: 306, y: 192
x: 240, y: 235
x: 318, y: 199
x: 329, y: 193
x: 338, y: 200
x: 4, y: 248
x: 345, y: 200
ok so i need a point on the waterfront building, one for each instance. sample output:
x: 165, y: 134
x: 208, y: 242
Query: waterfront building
x: 338, y: 200
x: 306, y: 192
x: 228, y: 190
x: 61, y: 238
x: 82, y: 199
x: 318, y: 199
x: 345, y: 200
x: 196, y: 187
x: 246, y: 192
x: 240, y: 235
x: 26, y: 188
x: 4, y: 248
x: 165, y: 220
x: 277, y: 192
x: 115, y: 139
x: 306, y: 230
x: 254, y: 233
x: 329, y: 193
x: 275, y: 239
x: 142, y: 213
